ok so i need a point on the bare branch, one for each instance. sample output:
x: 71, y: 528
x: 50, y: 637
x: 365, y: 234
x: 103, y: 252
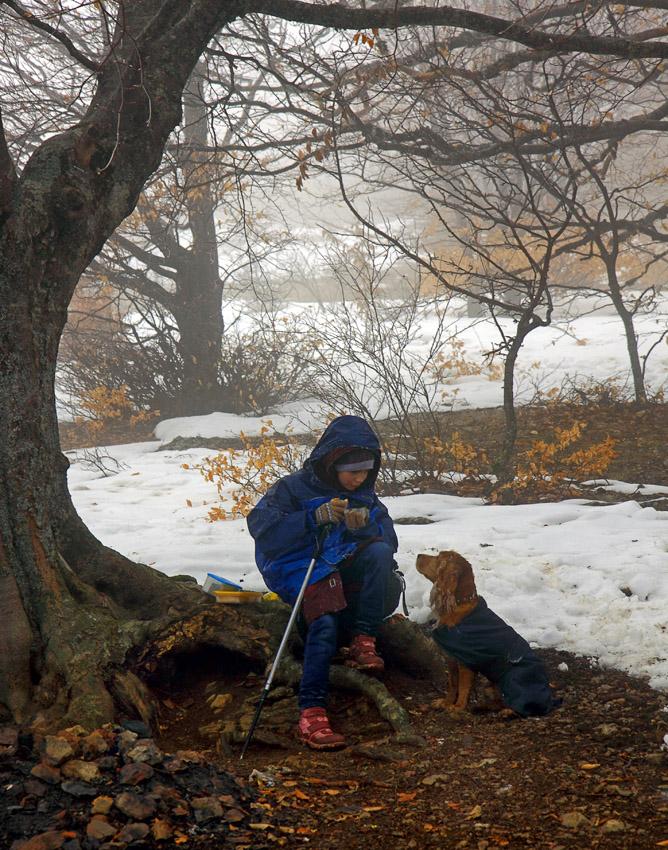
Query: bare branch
x: 59, y: 35
x: 344, y: 18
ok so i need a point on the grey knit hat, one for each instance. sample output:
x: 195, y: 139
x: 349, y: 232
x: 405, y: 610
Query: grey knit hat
x: 355, y: 460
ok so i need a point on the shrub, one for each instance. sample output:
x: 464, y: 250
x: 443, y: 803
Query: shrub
x: 548, y: 470
x: 267, y: 366
x: 103, y: 406
x: 258, y: 369
x: 455, y: 363
x: 456, y: 460
x: 252, y: 470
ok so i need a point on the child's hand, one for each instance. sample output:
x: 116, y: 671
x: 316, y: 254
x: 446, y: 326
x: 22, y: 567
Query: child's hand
x: 332, y: 511
x: 356, y: 517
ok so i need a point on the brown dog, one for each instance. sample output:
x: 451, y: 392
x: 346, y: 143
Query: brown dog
x: 476, y: 640
x: 453, y: 597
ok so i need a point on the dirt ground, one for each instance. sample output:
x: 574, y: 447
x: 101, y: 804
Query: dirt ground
x: 591, y: 774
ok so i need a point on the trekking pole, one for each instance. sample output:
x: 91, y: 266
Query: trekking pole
x: 322, y: 533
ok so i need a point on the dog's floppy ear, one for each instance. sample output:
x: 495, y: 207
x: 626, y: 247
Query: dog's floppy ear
x: 465, y: 588
x: 449, y: 569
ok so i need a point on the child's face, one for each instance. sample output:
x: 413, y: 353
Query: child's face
x: 351, y: 480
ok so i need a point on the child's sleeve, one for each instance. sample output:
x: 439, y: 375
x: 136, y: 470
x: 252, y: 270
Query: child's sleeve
x: 279, y: 523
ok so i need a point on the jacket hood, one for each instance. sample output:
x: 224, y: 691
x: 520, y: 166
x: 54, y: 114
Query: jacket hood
x: 342, y: 434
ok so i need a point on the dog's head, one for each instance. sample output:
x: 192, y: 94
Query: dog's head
x: 453, y: 580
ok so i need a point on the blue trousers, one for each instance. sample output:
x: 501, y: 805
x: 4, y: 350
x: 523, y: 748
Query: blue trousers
x: 372, y: 568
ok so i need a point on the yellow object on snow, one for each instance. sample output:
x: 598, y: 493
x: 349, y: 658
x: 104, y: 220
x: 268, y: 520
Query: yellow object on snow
x: 238, y: 597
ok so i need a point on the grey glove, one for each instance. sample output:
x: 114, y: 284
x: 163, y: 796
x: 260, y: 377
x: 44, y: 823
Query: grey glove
x: 332, y: 511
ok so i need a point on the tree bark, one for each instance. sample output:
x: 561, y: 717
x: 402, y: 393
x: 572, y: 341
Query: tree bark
x: 617, y: 298
x: 65, y: 597
x: 199, y: 290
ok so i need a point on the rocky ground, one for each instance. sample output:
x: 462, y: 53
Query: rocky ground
x: 593, y: 773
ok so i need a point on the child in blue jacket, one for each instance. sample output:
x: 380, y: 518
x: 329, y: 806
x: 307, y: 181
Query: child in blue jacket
x: 335, y: 486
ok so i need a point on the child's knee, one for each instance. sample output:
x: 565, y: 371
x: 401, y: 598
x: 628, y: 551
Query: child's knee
x: 323, y: 630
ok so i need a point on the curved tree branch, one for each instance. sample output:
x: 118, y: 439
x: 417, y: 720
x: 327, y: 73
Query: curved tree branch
x: 341, y: 17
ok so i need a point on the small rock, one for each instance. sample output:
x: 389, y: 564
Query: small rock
x: 126, y: 741
x: 173, y: 764
x: 51, y: 840
x: 606, y: 730
x: 161, y: 830
x: 434, y: 778
x: 99, y: 829
x: 234, y: 815
x: 32, y: 786
x: 246, y: 721
x: 574, y: 820
x: 280, y: 693
x: 134, y: 806
x: 181, y: 810
x: 133, y: 832
x: 212, y: 730
x: 133, y: 774
x: 56, y: 750
x: 78, y: 789
x: 206, y: 808
x: 75, y: 731
x: 73, y: 739
x: 613, y: 825
x: 46, y: 773
x: 138, y: 727
x: 145, y: 750
x: 190, y: 756
x: 85, y: 771
x: 102, y: 805
x: 9, y: 736
x: 94, y: 745
x: 221, y: 701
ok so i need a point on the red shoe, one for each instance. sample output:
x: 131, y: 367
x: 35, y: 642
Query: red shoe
x: 314, y: 730
x: 363, y: 656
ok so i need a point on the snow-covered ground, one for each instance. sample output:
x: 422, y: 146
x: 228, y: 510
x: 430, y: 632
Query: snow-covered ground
x: 591, y: 580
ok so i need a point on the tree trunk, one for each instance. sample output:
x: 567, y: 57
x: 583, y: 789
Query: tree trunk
x: 199, y: 289
x: 610, y: 260
x: 64, y: 596
x: 502, y: 466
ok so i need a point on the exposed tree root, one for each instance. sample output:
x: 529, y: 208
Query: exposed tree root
x: 247, y: 637
x: 406, y: 645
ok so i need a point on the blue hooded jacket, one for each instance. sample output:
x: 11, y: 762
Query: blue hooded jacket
x: 283, y: 522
